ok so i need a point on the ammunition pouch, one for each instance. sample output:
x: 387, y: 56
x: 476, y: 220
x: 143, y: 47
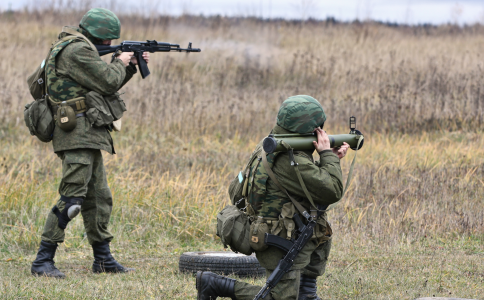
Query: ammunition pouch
x: 322, y: 231
x: 286, y: 225
x: 258, y: 230
x: 104, y: 110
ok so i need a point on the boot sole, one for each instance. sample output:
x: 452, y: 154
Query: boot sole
x: 198, y: 282
x: 127, y: 270
x: 47, y: 276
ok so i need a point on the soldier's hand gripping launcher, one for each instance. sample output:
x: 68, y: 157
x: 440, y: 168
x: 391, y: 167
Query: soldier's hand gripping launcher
x: 139, y: 47
x: 302, y: 142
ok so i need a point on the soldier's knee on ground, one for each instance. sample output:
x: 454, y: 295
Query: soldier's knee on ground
x: 70, y: 211
x: 288, y: 287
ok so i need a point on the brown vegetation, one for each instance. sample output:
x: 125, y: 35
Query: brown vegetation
x: 418, y: 190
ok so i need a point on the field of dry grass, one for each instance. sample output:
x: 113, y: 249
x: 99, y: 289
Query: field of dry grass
x: 411, y: 223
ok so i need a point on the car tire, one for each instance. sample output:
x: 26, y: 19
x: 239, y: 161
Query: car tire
x: 222, y: 263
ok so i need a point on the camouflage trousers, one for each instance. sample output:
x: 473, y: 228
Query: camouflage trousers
x: 311, y: 262
x: 83, y: 176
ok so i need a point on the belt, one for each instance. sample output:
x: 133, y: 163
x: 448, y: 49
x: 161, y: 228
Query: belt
x: 77, y: 104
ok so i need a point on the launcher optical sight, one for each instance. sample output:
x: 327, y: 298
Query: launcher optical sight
x: 304, y: 142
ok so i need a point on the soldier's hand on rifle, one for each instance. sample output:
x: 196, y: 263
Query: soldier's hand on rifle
x: 341, y: 151
x: 146, y: 56
x: 323, y: 140
x: 125, y: 57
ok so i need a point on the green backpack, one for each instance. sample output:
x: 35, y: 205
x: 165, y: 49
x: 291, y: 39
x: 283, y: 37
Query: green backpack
x: 38, y: 114
x: 233, y: 222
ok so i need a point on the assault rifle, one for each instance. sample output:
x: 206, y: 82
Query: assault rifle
x: 292, y: 248
x: 139, y: 47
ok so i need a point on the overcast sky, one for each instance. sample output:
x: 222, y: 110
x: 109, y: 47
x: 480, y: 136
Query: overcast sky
x: 401, y: 11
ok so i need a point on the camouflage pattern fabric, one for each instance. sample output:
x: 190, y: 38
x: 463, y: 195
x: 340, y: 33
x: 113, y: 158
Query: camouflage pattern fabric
x: 318, y: 261
x: 256, y: 186
x: 73, y: 70
x: 301, y: 114
x: 101, y: 23
x: 83, y: 176
x: 311, y: 261
x: 323, y: 179
x: 61, y: 89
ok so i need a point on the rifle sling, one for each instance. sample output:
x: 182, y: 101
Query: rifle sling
x: 306, y: 192
x: 298, y: 205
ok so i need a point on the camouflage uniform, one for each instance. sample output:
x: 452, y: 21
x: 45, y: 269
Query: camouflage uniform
x: 73, y: 69
x: 323, y: 179
x: 73, y: 72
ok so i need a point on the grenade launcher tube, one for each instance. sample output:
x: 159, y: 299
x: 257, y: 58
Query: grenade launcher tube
x: 304, y: 142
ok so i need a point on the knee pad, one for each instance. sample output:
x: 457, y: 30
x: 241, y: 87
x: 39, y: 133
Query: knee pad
x: 70, y: 211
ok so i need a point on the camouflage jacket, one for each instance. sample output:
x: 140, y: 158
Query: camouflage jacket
x: 74, y: 69
x: 323, y: 179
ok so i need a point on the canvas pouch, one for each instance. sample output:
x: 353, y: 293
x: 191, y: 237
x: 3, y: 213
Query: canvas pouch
x: 104, y: 110
x: 233, y: 228
x: 39, y: 120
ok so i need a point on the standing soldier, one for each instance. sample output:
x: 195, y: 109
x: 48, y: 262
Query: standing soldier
x: 74, y: 69
x: 274, y: 209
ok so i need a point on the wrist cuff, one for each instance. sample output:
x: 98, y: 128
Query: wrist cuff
x: 132, y: 68
x: 325, y: 151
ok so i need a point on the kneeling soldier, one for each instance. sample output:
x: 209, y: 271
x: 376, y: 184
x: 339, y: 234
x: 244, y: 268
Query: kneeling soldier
x: 274, y: 210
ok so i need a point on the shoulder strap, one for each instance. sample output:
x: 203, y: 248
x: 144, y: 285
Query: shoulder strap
x: 306, y: 192
x: 78, y: 34
x: 44, y: 75
x: 298, y: 205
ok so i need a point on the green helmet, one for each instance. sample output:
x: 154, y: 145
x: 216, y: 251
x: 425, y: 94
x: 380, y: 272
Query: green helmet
x: 301, y: 114
x: 101, y: 24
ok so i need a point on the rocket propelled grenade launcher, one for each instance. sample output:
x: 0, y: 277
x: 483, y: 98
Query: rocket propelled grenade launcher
x: 139, y: 47
x: 304, y: 142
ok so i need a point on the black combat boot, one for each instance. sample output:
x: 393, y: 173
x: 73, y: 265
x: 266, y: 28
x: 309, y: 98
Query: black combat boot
x: 43, y: 265
x: 104, y: 261
x: 210, y: 286
x: 308, y: 289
